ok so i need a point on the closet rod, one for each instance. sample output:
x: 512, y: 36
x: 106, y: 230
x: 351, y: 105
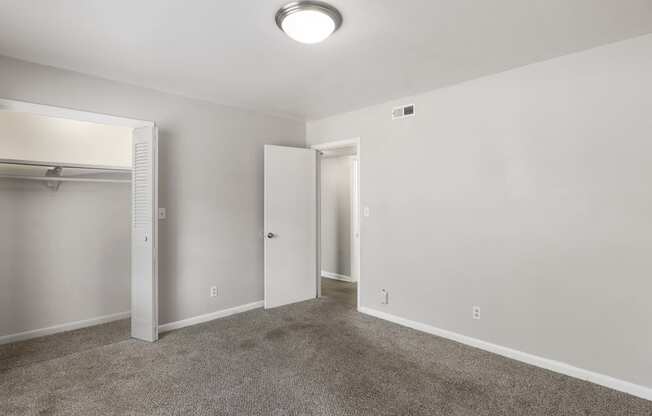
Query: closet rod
x: 63, y: 165
x: 61, y: 179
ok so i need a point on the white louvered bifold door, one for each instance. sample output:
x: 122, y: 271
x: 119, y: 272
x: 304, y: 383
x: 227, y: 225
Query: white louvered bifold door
x: 144, y: 279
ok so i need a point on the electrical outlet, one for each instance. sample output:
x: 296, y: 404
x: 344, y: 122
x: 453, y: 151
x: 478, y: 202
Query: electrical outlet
x: 476, y: 312
x: 384, y: 297
x: 214, y: 291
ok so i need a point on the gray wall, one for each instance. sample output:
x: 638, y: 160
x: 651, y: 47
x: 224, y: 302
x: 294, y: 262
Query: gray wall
x: 64, y: 256
x: 527, y: 193
x: 336, y: 215
x: 211, y: 181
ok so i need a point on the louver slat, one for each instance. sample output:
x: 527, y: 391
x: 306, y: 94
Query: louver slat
x: 142, y: 186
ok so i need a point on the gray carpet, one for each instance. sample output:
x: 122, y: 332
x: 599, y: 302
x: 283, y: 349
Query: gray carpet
x: 318, y: 357
x: 59, y: 345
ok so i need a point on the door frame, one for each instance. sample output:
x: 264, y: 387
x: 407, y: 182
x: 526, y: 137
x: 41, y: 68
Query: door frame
x: 355, y: 249
x: 78, y: 115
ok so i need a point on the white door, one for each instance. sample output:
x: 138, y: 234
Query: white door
x: 290, y: 225
x: 144, y: 270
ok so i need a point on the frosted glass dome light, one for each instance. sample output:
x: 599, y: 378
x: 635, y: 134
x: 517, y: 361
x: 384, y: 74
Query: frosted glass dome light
x: 308, y: 21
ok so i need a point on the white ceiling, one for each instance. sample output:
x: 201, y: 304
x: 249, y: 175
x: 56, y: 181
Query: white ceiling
x: 231, y: 52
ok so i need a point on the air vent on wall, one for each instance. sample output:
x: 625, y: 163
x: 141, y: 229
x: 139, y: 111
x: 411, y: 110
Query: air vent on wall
x: 403, y: 111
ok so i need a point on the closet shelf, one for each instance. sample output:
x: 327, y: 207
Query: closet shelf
x: 54, y: 174
x: 64, y: 165
x: 63, y: 179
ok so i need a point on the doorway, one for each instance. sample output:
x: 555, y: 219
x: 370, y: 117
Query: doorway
x: 293, y: 223
x: 339, y: 221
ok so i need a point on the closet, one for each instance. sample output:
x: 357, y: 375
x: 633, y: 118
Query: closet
x: 74, y: 210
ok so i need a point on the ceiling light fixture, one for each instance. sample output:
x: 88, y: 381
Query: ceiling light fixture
x: 308, y: 21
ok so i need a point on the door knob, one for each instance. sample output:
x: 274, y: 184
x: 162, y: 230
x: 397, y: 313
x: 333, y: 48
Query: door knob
x: 270, y: 235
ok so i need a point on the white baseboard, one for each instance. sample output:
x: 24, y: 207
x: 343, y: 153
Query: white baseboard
x: 556, y: 366
x: 336, y: 276
x: 69, y: 326
x: 209, y: 316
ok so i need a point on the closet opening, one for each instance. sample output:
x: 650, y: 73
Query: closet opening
x: 77, y: 198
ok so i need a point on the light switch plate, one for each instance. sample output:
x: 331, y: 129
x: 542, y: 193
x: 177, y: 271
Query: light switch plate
x: 162, y: 214
x: 365, y: 211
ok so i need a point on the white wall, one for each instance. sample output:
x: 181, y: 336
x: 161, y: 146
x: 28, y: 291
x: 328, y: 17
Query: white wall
x: 64, y: 255
x: 32, y: 137
x: 336, y: 215
x: 527, y: 193
x: 211, y: 181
